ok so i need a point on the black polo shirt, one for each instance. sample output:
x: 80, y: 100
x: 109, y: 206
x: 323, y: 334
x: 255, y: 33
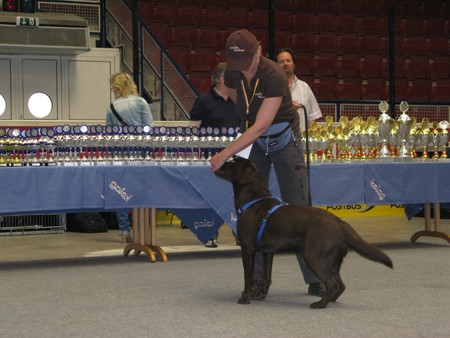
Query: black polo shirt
x: 270, y: 81
x: 214, y: 111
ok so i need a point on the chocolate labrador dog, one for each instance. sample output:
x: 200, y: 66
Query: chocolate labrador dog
x: 268, y: 225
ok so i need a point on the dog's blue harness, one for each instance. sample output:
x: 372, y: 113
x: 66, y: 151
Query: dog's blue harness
x: 266, y: 217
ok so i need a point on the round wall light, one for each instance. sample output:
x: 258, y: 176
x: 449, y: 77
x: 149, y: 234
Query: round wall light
x: 40, y: 105
x: 2, y: 104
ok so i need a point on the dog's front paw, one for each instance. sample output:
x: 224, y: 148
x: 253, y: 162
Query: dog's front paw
x: 259, y: 296
x: 321, y: 304
x: 245, y: 298
x: 260, y: 290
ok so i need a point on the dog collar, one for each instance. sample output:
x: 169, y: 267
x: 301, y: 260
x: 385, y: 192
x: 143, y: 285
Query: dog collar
x: 247, y: 205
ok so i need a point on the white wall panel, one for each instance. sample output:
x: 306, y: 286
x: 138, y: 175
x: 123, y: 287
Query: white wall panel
x: 5, y: 87
x: 86, y: 79
x: 40, y: 76
x: 78, y: 86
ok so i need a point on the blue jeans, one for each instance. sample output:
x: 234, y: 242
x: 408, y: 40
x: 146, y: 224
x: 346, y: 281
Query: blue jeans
x: 123, y: 221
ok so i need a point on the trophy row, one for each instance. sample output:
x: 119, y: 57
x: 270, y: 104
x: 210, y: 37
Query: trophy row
x: 383, y: 139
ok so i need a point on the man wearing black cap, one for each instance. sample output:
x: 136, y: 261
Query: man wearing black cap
x: 260, y: 89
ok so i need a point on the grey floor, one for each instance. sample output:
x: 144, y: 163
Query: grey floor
x: 80, y: 285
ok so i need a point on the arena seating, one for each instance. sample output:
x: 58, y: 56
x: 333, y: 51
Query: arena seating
x: 336, y: 41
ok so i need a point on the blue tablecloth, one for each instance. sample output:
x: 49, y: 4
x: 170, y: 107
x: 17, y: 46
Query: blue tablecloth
x: 56, y: 189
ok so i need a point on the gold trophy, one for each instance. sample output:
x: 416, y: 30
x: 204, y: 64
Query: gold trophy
x: 435, y: 140
x: 424, y: 137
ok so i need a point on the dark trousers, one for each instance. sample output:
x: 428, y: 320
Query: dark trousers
x: 291, y: 172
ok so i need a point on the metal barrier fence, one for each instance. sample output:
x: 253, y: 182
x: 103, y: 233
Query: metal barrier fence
x: 32, y: 224
x: 161, y: 78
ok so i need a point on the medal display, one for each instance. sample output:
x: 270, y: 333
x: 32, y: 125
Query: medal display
x: 111, y: 145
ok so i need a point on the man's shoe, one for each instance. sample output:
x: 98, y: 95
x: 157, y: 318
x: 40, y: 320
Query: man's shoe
x: 317, y: 289
x: 126, y: 237
x: 212, y: 243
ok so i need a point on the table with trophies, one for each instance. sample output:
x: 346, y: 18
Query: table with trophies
x: 87, y: 168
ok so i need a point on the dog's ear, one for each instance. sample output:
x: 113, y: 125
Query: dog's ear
x: 248, y: 173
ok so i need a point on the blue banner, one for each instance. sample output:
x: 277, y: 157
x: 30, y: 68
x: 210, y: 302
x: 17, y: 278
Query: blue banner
x: 204, y: 223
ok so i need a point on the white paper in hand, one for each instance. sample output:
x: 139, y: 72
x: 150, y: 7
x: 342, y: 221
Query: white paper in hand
x: 244, y: 153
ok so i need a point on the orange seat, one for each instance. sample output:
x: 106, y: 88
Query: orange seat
x: 236, y: 19
x: 324, y: 6
x: 145, y: 11
x: 401, y: 89
x: 323, y: 66
x: 194, y: 62
x: 302, y: 23
x: 374, y: 89
x: 239, y: 4
x: 435, y: 27
x: 196, y: 82
x: 216, y: 5
x: 345, y: 24
x: 285, y: 5
x: 283, y: 22
x: 347, y: 43
x: 439, y: 67
x: 258, y: 22
x: 408, y: 8
x: 400, y: 64
x: 211, y: 21
x: 347, y: 65
x: 214, y: 59
x: 412, y: 26
x: 187, y: 18
x: 302, y: 6
x: 303, y: 66
x: 414, y: 45
x: 300, y: 42
x: 324, y: 23
x: 368, y: 25
x: 325, y: 88
x: 179, y: 42
x: 417, y: 67
x: 372, y: 8
x: 193, y: 3
x: 201, y: 41
x: 324, y: 43
x: 348, y: 7
x: 371, y: 44
x: 370, y: 66
x: 440, y: 91
x: 437, y: 46
x: 349, y: 89
x: 220, y: 39
x: 435, y: 9
x: 205, y: 85
x: 279, y: 42
x: 420, y: 90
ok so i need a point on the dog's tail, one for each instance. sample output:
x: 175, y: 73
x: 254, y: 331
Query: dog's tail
x: 365, y: 249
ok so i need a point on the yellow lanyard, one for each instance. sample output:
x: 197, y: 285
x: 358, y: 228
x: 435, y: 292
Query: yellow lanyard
x: 247, y: 103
